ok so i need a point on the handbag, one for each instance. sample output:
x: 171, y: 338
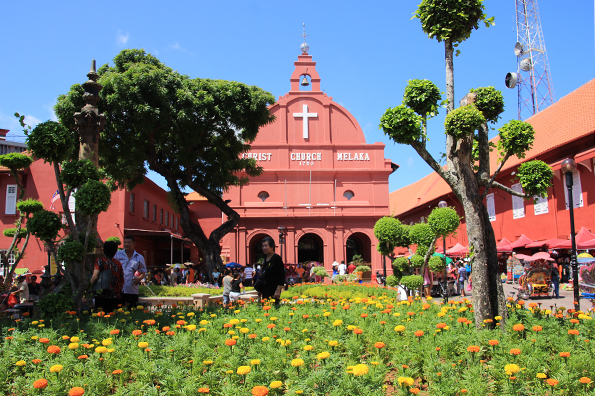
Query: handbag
x: 105, y: 280
x: 260, y: 284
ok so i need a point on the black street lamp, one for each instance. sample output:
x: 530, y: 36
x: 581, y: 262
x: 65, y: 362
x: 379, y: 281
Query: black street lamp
x: 281, y: 239
x: 569, y: 167
x: 443, y: 204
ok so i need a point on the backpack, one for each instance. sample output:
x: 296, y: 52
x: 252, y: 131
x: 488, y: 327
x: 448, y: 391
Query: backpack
x: 105, y: 280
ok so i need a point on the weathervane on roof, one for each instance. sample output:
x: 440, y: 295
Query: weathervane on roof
x: 304, y: 46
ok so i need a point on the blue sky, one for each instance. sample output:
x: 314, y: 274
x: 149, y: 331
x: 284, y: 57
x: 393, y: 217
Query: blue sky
x: 365, y: 53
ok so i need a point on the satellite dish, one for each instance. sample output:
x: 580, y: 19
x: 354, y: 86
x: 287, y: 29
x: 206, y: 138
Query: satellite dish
x: 518, y: 49
x: 526, y: 64
x: 510, y: 80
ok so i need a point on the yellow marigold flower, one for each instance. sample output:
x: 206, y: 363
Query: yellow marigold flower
x: 350, y: 327
x: 56, y: 368
x: 297, y: 362
x: 106, y: 342
x: 234, y: 322
x: 400, y: 328
x: 243, y: 320
x: 265, y: 339
x: 243, y: 370
x: 143, y: 344
x: 73, y: 345
x: 20, y: 363
x: 308, y: 348
x: 498, y: 317
x: 190, y: 314
x: 406, y: 381
x: 326, y: 314
x: 244, y: 330
x: 191, y: 327
x: 101, y: 349
x: 333, y: 343
x: 360, y: 369
x: 255, y: 362
x: 75, y: 339
x: 203, y: 322
x: 511, y: 369
x: 34, y: 323
x: 276, y: 384
x: 337, y: 322
x: 541, y: 376
x: 323, y: 355
x: 441, y: 314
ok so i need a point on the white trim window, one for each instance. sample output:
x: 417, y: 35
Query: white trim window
x: 11, y: 199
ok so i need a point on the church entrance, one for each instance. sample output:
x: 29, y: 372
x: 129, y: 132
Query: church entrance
x: 310, y: 248
x: 255, y: 253
x: 358, y: 244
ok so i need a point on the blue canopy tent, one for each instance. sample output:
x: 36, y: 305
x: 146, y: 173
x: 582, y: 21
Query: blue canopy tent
x: 233, y: 265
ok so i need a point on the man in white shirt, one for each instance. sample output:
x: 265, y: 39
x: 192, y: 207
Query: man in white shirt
x: 134, y: 268
x: 248, y: 275
x: 342, y: 268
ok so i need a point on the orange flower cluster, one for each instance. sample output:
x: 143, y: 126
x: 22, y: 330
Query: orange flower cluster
x: 515, y: 351
x: 473, y: 348
x: 41, y: 383
x: 518, y: 327
x: 54, y: 349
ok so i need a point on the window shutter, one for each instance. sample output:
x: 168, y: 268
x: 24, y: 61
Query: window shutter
x: 11, y: 199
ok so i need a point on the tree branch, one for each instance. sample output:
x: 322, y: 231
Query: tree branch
x: 64, y: 198
x: 426, y: 156
x: 483, y: 144
x: 508, y: 190
x: 488, y: 184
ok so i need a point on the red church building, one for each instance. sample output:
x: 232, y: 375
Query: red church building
x: 564, y: 130
x: 322, y: 185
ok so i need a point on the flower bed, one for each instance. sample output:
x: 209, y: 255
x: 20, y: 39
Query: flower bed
x: 183, y: 290
x: 364, y: 346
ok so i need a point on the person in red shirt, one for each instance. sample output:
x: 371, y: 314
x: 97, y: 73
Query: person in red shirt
x: 351, y: 268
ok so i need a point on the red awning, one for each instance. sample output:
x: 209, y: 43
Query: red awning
x: 521, y: 242
x: 582, y: 237
x: 504, y: 246
x: 547, y: 242
x: 457, y: 250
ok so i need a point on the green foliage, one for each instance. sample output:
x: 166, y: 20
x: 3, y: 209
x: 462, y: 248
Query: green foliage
x: 402, y: 125
x: 15, y: 161
x: 29, y: 206
x: 416, y: 261
x: 516, y: 137
x: 71, y: 251
x: 451, y: 19
x: 422, y: 235
x: 535, y: 177
x: 9, y: 232
x: 490, y: 102
x: 76, y: 173
x: 436, y: 264
x: 93, y: 197
x: 45, y: 225
x: 444, y: 221
x: 362, y: 268
x: 320, y: 271
x: 357, y: 259
x: 423, y: 96
x: 53, y: 305
x: 114, y: 239
x: 388, y: 229
x: 401, y: 264
x: 53, y: 142
x: 412, y: 282
x: 463, y: 121
x: 392, y: 280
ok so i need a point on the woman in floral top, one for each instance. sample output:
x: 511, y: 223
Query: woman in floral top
x: 108, y: 298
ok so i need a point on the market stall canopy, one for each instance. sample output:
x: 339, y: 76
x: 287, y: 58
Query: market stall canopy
x: 536, y: 256
x: 521, y: 242
x: 547, y: 242
x: 503, y: 246
x: 448, y: 259
x: 582, y: 239
x: 233, y: 265
x: 457, y: 250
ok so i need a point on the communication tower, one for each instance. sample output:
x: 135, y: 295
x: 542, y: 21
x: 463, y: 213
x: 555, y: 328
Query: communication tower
x: 533, y: 77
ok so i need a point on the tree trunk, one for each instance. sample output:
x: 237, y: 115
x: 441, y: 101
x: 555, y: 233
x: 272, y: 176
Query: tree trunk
x: 450, y: 75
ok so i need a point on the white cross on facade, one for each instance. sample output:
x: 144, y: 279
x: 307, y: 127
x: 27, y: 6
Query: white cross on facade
x: 305, y: 115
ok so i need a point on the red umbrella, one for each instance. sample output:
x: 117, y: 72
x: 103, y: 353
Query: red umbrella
x: 521, y: 242
x: 581, y: 238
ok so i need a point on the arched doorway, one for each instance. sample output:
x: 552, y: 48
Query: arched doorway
x: 255, y: 252
x: 310, y: 248
x: 358, y: 243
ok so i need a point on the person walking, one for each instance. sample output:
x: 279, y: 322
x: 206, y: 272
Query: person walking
x: 342, y: 268
x: 134, y: 268
x: 248, y: 275
x: 227, y: 279
x: 110, y: 271
x: 273, y: 271
x: 461, y: 280
x: 555, y: 278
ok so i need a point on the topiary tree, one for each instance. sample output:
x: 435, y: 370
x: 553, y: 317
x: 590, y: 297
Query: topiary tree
x: 17, y: 163
x: 467, y: 169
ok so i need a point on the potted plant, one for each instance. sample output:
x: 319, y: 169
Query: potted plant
x: 360, y: 270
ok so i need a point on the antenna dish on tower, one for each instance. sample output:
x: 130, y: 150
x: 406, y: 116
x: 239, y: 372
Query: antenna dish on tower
x: 518, y: 49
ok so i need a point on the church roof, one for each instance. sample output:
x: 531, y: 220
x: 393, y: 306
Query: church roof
x: 565, y: 121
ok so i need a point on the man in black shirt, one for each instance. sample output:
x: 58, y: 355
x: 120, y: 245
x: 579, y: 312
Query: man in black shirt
x: 34, y: 288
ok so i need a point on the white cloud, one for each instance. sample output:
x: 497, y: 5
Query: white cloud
x: 11, y: 123
x: 176, y: 46
x: 121, y: 38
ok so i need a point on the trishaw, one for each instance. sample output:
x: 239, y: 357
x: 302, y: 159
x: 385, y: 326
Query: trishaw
x: 536, y: 278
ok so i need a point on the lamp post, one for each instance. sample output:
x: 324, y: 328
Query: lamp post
x: 568, y: 167
x: 281, y: 239
x: 443, y: 204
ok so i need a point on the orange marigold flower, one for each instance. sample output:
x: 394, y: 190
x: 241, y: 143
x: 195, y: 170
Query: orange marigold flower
x: 379, y: 345
x: 76, y: 391
x: 494, y: 342
x: 149, y: 322
x: 537, y: 328
x: 170, y: 333
x: 116, y: 372
x: 585, y: 380
x: 271, y: 326
x: 54, y: 349
x: 137, y: 332
x: 473, y: 348
x: 441, y: 325
x: 115, y: 332
x: 518, y: 327
x: 419, y: 333
x: 552, y: 382
x: 364, y: 315
x: 575, y: 321
x: 286, y: 328
x: 203, y: 390
x: 181, y: 322
x: 166, y: 328
x: 260, y: 390
x: 357, y: 331
x: 230, y: 342
x: 252, y: 336
x: 564, y: 354
x: 573, y: 332
x: 346, y: 307
x: 40, y: 383
x: 36, y: 361
x: 415, y: 391
x: 410, y: 313
x: 83, y: 357
x: 462, y: 320
x: 465, y: 390
x: 44, y: 340
x: 515, y: 351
